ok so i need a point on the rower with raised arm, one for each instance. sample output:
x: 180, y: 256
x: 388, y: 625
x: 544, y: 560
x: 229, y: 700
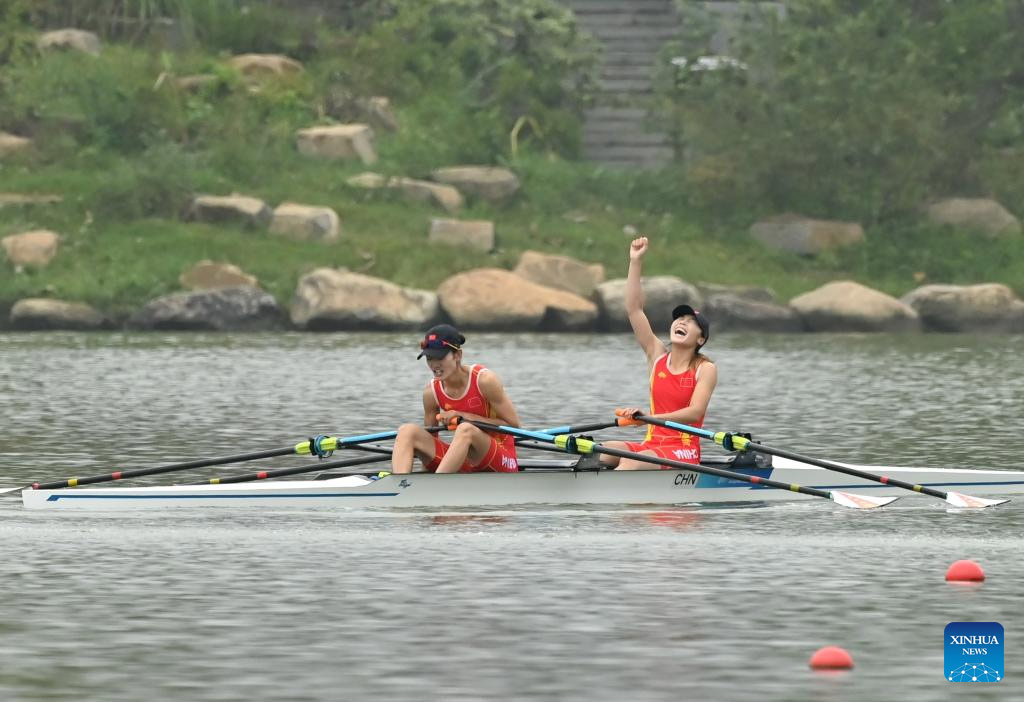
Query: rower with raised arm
x: 682, y: 378
x: 471, y: 392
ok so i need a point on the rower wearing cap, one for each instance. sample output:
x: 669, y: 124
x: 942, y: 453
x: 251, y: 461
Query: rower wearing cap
x: 472, y: 392
x: 682, y: 378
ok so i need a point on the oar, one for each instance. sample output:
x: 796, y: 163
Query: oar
x: 740, y: 443
x: 324, y: 444
x: 264, y: 474
x: 282, y: 472
x: 574, y: 444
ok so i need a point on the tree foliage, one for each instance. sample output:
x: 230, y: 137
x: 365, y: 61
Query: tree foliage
x: 850, y: 108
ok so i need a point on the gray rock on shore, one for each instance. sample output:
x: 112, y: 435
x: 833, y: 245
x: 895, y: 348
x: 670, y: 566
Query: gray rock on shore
x: 846, y: 306
x: 222, y: 309
x: 989, y: 307
x: 661, y: 294
x: 331, y: 300
x: 37, y: 313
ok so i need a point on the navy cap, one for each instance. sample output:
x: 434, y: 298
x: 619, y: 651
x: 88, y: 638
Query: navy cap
x: 441, y: 340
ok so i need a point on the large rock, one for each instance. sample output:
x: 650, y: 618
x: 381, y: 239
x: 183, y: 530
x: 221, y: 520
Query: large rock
x: 33, y: 248
x: 733, y: 312
x: 444, y: 196
x: 475, y: 234
x: 491, y: 298
x: 340, y: 142
x: 805, y: 236
x: 754, y: 293
x: 661, y: 295
x: 208, y: 275
x: 43, y: 313
x: 261, y: 65
x: 368, y: 181
x: 964, y: 308
x: 231, y: 209
x: 70, y: 40
x: 329, y: 299
x: 19, y: 199
x: 977, y: 214
x: 376, y: 111
x: 223, y: 309
x: 848, y: 306
x: 306, y: 222
x: 560, y: 272
x: 12, y: 144
x: 485, y: 182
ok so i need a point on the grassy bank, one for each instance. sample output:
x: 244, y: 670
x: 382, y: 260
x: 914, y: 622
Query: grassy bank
x: 126, y: 150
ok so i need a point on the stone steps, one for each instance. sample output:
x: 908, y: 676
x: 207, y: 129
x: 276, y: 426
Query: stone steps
x: 631, y: 34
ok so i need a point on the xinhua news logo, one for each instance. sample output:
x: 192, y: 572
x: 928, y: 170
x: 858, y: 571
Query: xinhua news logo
x: 974, y: 652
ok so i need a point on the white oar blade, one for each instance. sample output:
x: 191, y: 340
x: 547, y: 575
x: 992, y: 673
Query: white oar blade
x: 4, y: 491
x: 958, y: 499
x: 849, y: 499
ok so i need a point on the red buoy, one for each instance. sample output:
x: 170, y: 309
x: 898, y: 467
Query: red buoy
x: 965, y: 572
x: 831, y: 658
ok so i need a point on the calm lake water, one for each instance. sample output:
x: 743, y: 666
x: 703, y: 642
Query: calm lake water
x: 549, y: 604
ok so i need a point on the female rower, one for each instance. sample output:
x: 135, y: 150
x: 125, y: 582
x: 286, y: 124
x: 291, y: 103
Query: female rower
x: 681, y: 377
x: 472, y: 392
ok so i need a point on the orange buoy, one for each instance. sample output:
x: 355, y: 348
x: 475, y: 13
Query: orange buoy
x: 831, y: 658
x: 965, y: 571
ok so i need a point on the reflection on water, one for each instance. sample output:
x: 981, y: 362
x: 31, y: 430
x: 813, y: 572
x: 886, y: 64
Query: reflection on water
x: 722, y: 602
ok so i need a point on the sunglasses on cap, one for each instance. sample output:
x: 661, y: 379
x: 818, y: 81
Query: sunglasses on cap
x: 435, y: 343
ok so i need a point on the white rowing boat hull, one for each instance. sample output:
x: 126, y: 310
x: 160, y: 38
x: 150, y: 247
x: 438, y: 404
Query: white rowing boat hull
x: 562, y: 487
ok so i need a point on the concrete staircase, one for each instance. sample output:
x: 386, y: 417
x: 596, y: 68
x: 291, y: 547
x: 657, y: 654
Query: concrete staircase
x: 631, y: 32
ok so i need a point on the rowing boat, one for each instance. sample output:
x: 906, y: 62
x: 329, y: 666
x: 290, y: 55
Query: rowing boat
x: 538, y: 484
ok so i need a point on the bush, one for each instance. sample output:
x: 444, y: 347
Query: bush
x: 849, y: 109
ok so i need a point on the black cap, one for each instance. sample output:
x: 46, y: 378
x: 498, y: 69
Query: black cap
x: 440, y: 340
x: 702, y: 321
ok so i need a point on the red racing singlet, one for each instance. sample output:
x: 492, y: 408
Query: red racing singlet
x: 670, y: 392
x: 473, y: 402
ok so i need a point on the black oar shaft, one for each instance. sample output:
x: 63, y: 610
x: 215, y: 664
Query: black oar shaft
x: 155, y: 470
x: 282, y: 472
x: 782, y: 453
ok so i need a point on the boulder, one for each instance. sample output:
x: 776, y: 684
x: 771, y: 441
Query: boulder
x: 560, y: 272
x: 33, y: 248
x: 70, y: 40
x: 368, y: 180
x: 444, y: 196
x: 976, y: 214
x: 208, y: 275
x: 376, y: 111
x: 340, y: 142
x: 306, y: 222
x: 989, y: 307
x: 19, y: 199
x: 805, y: 236
x: 12, y: 144
x: 474, y: 234
x: 844, y: 306
x: 43, y: 313
x: 222, y: 309
x: 753, y: 293
x: 661, y: 294
x: 233, y: 209
x: 262, y: 65
x: 328, y: 300
x: 484, y: 182
x: 733, y: 312
x: 492, y: 298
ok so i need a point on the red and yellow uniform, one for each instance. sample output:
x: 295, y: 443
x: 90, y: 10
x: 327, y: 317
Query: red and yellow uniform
x: 501, y: 457
x: 670, y: 392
